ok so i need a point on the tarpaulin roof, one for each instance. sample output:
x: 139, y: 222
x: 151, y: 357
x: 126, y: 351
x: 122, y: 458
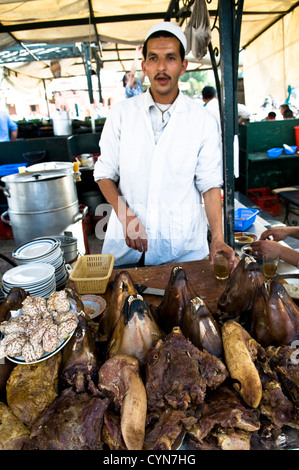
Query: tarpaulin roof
x: 116, y: 27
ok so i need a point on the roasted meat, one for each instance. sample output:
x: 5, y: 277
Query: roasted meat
x: 278, y: 370
x: 274, y: 315
x: 284, y: 361
x: 166, y: 430
x: 13, y: 301
x: 80, y: 361
x: 136, y: 330
x: 72, y: 422
x: 123, y: 286
x: 177, y: 294
x: 225, y: 416
x: 240, y: 351
x: 238, y: 294
x: 178, y: 373
x: 111, y: 432
x: 119, y: 379
x: 201, y: 328
x: 14, y: 435
x: 33, y: 387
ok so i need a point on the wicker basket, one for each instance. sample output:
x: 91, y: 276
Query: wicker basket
x: 91, y: 273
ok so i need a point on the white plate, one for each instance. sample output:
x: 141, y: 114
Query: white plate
x: 62, y: 343
x: 35, y: 248
x: 292, y: 287
x: 248, y: 237
x: 28, y: 274
x: 246, y: 250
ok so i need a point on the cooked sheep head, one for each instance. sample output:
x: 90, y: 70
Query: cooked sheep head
x: 136, y: 330
x: 200, y: 327
x: 240, y: 351
x: 177, y: 294
x: 13, y: 301
x: 274, y: 315
x: 123, y: 286
x: 80, y: 361
x: 238, y: 295
x: 119, y: 378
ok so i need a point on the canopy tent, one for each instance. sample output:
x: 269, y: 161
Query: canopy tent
x: 114, y: 28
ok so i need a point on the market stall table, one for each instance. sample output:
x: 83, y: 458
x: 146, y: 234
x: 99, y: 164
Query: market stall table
x: 200, y: 274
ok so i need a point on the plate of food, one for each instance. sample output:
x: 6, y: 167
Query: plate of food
x: 94, y: 305
x: 292, y: 287
x: 243, y: 238
x: 247, y: 250
x: 39, y: 329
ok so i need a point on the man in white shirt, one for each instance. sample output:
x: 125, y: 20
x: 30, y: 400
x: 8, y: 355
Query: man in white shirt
x: 160, y: 166
x: 211, y: 103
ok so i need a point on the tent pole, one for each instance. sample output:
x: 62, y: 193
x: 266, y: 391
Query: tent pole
x: 87, y: 65
x: 46, y: 97
x: 229, y: 53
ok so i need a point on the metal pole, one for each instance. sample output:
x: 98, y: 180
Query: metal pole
x: 87, y: 65
x: 46, y: 96
x: 229, y: 52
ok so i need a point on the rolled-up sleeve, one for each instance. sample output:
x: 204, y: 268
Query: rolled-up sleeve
x: 12, y: 125
x: 107, y: 165
x: 209, y: 168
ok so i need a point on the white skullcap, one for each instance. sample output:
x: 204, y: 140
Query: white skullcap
x: 171, y: 28
x: 243, y: 111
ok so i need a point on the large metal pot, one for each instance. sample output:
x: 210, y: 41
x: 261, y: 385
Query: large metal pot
x: 69, y: 247
x: 40, y: 203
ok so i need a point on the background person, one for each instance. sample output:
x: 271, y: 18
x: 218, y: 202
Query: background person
x: 283, y: 108
x: 288, y: 114
x: 265, y: 246
x: 8, y: 128
x: 270, y: 117
x: 211, y: 102
x: 243, y: 114
x: 133, y: 86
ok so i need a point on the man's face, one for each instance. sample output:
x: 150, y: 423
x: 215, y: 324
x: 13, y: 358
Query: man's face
x: 163, y: 66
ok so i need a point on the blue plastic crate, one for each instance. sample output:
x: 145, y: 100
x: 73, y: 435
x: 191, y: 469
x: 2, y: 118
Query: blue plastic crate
x: 11, y: 168
x: 244, y: 218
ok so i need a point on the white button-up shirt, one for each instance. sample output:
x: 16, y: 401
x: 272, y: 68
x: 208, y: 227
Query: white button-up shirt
x: 161, y: 179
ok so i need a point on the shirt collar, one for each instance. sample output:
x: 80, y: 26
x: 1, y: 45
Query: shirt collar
x: 149, y: 103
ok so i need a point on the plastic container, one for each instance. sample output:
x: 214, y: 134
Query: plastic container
x: 266, y: 200
x: 275, y: 152
x: 11, y: 168
x: 292, y: 151
x: 244, y: 218
x: 91, y: 273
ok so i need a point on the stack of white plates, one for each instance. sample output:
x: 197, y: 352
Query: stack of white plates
x: 44, y: 250
x: 36, y: 278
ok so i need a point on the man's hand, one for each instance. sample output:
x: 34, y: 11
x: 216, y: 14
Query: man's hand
x: 135, y: 234
x: 219, y: 246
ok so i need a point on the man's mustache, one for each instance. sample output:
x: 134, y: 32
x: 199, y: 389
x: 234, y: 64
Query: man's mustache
x: 161, y: 75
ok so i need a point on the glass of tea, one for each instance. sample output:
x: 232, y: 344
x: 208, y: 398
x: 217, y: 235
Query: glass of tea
x: 221, y: 267
x: 270, y: 265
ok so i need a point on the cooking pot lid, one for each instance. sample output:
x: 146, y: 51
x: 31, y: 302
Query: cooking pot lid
x: 65, y: 239
x: 34, y: 176
x: 50, y: 166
